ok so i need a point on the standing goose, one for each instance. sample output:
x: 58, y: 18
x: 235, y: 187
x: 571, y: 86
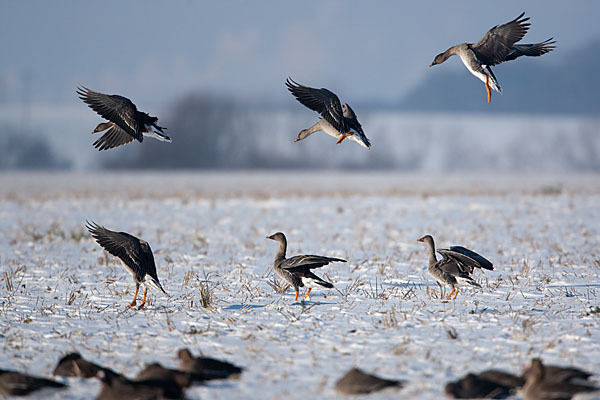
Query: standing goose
x: 337, y: 120
x: 356, y: 382
x: 297, y: 270
x: 455, y: 267
x: 116, y: 386
x: 496, y: 46
x: 74, y: 365
x: 125, y: 121
x: 135, y: 255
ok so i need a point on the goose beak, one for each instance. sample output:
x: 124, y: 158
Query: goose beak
x: 431, y: 65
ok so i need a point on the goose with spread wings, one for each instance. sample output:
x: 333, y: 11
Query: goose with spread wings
x: 455, y: 267
x: 125, y: 122
x: 297, y: 270
x: 497, y: 46
x: 337, y: 120
x: 135, y: 255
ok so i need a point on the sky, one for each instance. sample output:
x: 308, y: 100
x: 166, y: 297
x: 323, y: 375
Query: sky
x: 158, y: 50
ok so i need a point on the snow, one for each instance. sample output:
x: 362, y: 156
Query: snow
x: 385, y: 314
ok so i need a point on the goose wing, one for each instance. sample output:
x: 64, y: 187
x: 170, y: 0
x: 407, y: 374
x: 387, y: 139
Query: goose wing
x: 120, y: 244
x: 300, y: 263
x: 531, y: 50
x: 115, y: 108
x: 114, y: 137
x: 497, y: 43
x: 323, y: 101
x: 465, y: 259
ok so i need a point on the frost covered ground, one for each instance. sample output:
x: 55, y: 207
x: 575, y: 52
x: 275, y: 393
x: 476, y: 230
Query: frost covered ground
x: 60, y: 292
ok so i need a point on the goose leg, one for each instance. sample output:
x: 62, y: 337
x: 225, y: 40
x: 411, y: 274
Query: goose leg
x: 144, y: 299
x: 487, y: 88
x: 342, y: 137
x: 451, y: 293
x: 455, y: 294
x: 307, y: 294
x: 297, y: 293
x: 137, y: 288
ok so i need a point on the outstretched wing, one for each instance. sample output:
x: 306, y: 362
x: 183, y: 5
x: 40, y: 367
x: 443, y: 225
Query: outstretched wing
x: 465, y: 259
x: 120, y: 244
x: 115, y: 108
x: 114, y: 137
x: 531, y: 50
x: 353, y: 124
x: 322, y: 101
x: 299, y: 263
x: 497, y: 43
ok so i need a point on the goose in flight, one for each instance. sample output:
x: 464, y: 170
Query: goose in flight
x: 455, y: 267
x: 337, y: 120
x: 135, y: 255
x: 297, y: 270
x: 125, y: 122
x: 497, y: 46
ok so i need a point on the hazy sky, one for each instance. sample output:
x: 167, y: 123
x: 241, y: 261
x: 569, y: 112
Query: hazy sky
x: 158, y: 50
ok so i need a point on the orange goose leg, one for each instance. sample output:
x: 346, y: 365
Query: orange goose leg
x: 451, y: 293
x: 307, y: 293
x: 487, y: 88
x: 455, y: 294
x: 297, y: 293
x: 137, y: 288
x: 144, y: 299
x: 342, y: 137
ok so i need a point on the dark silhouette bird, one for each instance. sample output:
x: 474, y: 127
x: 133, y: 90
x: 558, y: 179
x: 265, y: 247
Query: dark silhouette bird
x: 74, y: 365
x: 455, y: 267
x: 205, y: 368
x: 337, y: 120
x: 157, y: 372
x: 497, y: 46
x: 540, y: 387
x: 297, y: 270
x: 125, y: 124
x: 491, y: 384
x: 135, y: 255
x: 356, y: 382
x: 117, y: 386
x: 556, y: 373
x: 13, y: 383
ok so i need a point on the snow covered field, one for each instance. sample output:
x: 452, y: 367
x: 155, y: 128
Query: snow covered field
x: 60, y: 292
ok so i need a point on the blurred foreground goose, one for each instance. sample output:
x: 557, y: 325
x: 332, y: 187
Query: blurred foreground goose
x: 125, y: 121
x: 496, y: 46
x: 455, y: 267
x: 358, y: 382
x: 74, y: 365
x: 297, y: 270
x: 542, y: 387
x: 135, y: 255
x: 337, y: 120
x: 116, y: 386
x: 204, y: 368
x: 13, y: 383
x: 156, y: 372
x: 490, y: 384
x: 556, y: 373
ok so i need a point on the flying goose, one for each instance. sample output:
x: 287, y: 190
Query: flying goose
x: 297, y: 270
x: 496, y: 46
x: 455, y: 267
x: 125, y: 121
x: 337, y: 120
x: 135, y: 255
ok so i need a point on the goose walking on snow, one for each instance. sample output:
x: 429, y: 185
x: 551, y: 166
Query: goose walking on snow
x: 125, y: 124
x: 455, y: 267
x: 337, y: 120
x: 297, y: 270
x: 135, y: 255
x: 496, y: 46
